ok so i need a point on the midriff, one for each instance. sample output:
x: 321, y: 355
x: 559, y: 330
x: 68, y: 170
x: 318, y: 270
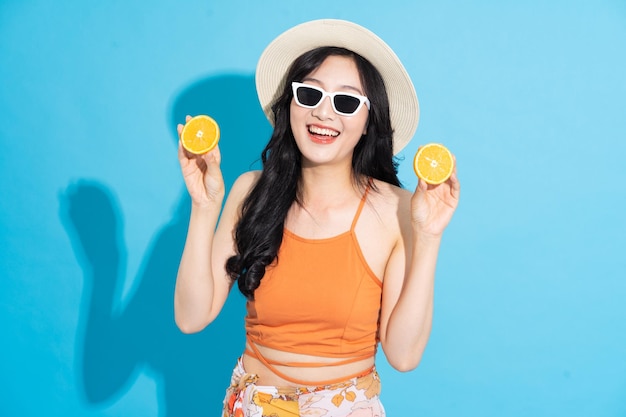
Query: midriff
x: 317, y: 373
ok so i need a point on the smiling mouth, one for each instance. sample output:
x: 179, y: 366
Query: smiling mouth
x: 323, y: 133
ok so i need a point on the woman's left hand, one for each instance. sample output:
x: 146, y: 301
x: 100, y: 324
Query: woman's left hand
x: 432, y: 206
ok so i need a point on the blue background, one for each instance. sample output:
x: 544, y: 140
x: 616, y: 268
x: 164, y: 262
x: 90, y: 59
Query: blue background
x: 530, y: 315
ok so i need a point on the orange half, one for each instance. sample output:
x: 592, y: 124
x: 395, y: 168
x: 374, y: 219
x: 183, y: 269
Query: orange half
x: 200, y: 134
x: 433, y: 163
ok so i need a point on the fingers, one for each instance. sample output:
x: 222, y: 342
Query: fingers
x: 213, y: 160
x: 454, y: 178
x: 184, y: 154
x: 421, y: 185
x: 455, y: 186
x: 454, y: 183
x: 180, y: 126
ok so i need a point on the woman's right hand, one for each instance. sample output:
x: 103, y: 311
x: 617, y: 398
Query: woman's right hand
x: 202, y: 174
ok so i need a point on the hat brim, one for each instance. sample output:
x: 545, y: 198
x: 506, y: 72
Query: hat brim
x: 281, y: 52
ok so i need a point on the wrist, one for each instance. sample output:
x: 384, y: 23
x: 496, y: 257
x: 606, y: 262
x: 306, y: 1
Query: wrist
x: 425, y: 238
x: 206, y: 208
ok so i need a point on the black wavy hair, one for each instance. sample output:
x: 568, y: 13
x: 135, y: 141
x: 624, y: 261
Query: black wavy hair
x: 259, y: 232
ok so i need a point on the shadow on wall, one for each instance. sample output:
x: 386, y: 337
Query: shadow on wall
x: 192, y: 371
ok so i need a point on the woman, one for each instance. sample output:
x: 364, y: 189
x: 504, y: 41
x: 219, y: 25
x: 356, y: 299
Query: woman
x: 332, y: 255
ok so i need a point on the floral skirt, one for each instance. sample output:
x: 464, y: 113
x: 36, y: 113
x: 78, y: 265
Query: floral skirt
x: 355, y: 397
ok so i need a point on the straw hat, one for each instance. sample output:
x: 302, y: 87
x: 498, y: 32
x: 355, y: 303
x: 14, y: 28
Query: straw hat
x: 282, y: 51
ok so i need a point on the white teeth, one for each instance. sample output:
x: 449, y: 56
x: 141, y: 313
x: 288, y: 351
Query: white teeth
x: 323, y: 132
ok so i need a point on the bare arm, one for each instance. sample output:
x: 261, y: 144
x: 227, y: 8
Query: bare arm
x: 202, y: 285
x: 407, y: 312
x: 408, y: 292
x: 194, y: 296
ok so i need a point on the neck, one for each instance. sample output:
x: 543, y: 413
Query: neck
x: 327, y: 185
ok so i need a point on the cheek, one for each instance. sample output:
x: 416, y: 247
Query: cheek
x: 292, y: 116
x: 359, y: 123
x: 297, y: 117
x: 295, y: 112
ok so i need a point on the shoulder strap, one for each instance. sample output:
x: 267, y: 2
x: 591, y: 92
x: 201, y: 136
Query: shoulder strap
x: 361, y: 204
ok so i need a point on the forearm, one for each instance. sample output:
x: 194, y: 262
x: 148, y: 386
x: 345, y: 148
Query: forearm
x: 193, y: 297
x: 409, y: 324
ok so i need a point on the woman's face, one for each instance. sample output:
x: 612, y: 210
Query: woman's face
x: 322, y: 135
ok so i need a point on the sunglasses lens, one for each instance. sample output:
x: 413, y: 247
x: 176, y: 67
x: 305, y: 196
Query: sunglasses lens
x: 308, y: 96
x: 346, y: 104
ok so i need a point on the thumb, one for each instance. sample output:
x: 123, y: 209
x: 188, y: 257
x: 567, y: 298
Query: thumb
x: 421, y: 185
x: 213, y: 160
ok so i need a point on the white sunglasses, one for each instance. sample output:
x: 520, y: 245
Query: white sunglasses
x: 344, y: 104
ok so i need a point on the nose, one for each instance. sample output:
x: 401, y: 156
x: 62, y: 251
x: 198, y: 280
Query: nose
x: 325, y: 109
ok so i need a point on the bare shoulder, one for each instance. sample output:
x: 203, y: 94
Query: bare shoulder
x: 391, y: 203
x: 246, y: 181
x: 237, y: 194
x: 243, y: 185
x: 381, y: 231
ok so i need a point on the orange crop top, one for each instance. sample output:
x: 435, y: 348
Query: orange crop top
x: 320, y: 298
